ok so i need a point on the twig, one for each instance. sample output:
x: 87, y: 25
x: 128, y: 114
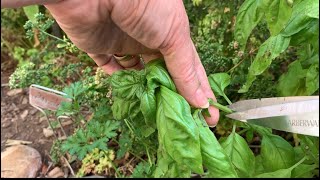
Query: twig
x: 71, y: 170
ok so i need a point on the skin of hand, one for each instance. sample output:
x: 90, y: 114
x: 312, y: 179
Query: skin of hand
x: 152, y: 28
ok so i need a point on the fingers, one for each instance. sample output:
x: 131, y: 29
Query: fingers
x: 111, y: 64
x: 181, y: 64
x: 214, y: 112
x: 129, y: 61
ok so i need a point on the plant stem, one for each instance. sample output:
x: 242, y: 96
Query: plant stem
x: 130, y: 151
x: 219, y: 106
x: 235, y: 66
x: 227, y: 99
x: 54, y: 37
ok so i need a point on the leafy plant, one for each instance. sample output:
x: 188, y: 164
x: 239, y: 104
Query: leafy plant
x: 97, y: 162
x: 96, y: 135
x: 298, y: 22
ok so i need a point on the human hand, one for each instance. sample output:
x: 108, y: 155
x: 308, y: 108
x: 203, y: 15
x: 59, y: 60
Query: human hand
x: 105, y: 27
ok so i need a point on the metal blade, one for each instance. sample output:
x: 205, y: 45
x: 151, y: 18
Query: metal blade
x: 305, y: 123
x: 297, y: 117
x: 256, y: 103
x: 277, y: 110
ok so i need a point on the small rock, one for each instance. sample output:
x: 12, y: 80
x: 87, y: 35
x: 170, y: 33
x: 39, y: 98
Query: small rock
x: 24, y: 114
x: 33, y: 111
x: 42, y: 119
x: 55, y: 173
x: 47, y: 132
x: 20, y: 161
x: 6, y: 124
x: 14, y: 92
x: 24, y: 100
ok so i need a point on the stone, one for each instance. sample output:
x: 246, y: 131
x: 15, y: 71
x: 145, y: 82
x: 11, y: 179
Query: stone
x: 20, y: 161
x: 55, y: 173
x: 24, y: 114
x: 6, y: 123
x: 14, y: 92
x: 47, y: 132
x: 24, y: 100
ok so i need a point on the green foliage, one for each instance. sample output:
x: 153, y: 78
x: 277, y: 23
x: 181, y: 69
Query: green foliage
x: 31, y: 11
x: 96, y: 135
x: 293, y: 21
x: 218, y: 83
x: 240, y: 154
x: 237, y: 42
x: 142, y: 170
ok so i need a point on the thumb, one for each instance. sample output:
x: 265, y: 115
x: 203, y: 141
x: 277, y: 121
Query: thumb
x: 181, y: 63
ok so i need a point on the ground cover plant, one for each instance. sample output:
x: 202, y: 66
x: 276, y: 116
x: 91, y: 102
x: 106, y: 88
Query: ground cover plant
x: 139, y: 125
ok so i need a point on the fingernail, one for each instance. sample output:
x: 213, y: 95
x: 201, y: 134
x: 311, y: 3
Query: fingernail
x: 212, y: 126
x: 201, y: 99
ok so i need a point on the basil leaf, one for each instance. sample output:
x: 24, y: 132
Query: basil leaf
x: 302, y: 14
x: 259, y: 169
x: 122, y: 108
x: 148, y: 107
x: 306, y: 35
x: 218, y: 82
x: 292, y: 83
x: 277, y: 16
x: 276, y: 153
x: 213, y: 156
x: 240, y: 154
x: 249, y: 15
x: 269, y: 50
x: 31, y: 11
x: 158, y: 75
x: 312, y: 79
x: 167, y: 167
x: 281, y: 173
x: 128, y: 84
x: 310, y: 147
x: 304, y: 171
x: 177, y: 130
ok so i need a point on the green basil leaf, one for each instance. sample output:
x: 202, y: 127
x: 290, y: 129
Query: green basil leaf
x: 268, y: 51
x: 277, y: 16
x: 310, y: 147
x: 177, y: 130
x: 292, y: 83
x: 128, y: 84
x: 168, y: 168
x: 240, y: 154
x: 276, y: 153
x: 306, y: 35
x: 218, y: 82
x: 214, y: 157
x: 259, y: 169
x: 148, y: 106
x: 304, y: 171
x: 302, y: 14
x: 158, y: 75
x: 312, y: 79
x: 31, y: 11
x: 281, y: 173
x: 122, y: 108
x: 249, y: 15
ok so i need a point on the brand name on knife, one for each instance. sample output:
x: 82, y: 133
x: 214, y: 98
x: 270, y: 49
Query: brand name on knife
x: 304, y: 123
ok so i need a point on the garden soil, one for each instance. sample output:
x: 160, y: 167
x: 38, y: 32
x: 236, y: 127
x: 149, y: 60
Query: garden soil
x: 19, y: 120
